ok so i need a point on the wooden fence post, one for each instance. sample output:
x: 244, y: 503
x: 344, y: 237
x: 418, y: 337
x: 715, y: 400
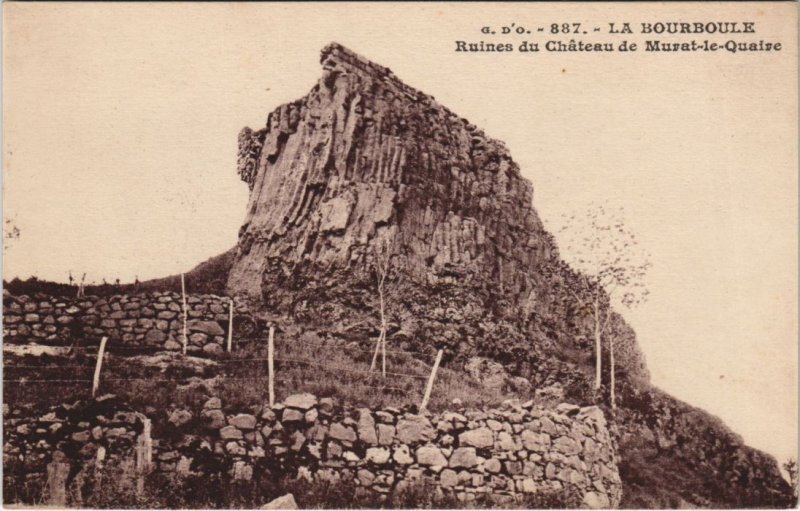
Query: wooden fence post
x: 377, y: 350
x: 99, y: 463
x: 57, y: 473
x: 230, y: 323
x: 428, y: 388
x: 185, y: 336
x: 270, y: 365
x: 384, y: 353
x: 98, y: 365
x: 144, y: 453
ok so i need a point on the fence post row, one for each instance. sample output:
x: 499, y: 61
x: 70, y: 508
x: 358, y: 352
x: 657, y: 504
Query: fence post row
x: 270, y: 367
x: 429, y: 387
x: 98, y: 366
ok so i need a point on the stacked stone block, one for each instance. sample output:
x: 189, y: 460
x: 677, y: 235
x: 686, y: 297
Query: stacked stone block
x: 507, y: 452
x: 151, y: 320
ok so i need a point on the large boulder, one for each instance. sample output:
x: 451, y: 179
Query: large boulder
x: 489, y: 373
x: 481, y: 438
x: 304, y: 401
x: 414, y: 429
x: 210, y: 328
x: 285, y: 502
x: 463, y: 457
x: 243, y: 421
x: 431, y: 455
x: 366, y: 427
x: 340, y: 432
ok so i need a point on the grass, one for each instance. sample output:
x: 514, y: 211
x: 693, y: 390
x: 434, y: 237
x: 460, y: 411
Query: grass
x: 115, y: 489
x: 342, y: 372
x: 158, y: 382
x: 167, y: 380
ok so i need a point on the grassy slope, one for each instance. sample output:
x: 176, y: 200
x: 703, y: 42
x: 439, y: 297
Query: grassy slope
x: 239, y: 379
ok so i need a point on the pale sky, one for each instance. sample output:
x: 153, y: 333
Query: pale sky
x: 120, y: 125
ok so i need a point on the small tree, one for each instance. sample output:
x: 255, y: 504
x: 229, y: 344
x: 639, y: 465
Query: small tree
x: 606, y: 253
x: 382, y: 266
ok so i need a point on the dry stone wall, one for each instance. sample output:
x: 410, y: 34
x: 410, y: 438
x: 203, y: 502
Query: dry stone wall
x: 151, y: 320
x: 507, y: 452
x: 88, y: 435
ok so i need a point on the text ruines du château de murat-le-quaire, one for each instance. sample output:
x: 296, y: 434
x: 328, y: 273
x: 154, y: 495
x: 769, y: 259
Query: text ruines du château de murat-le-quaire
x: 656, y: 37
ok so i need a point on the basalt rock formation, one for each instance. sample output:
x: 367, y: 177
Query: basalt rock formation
x: 365, y: 173
x: 365, y: 161
x: 367, y: 180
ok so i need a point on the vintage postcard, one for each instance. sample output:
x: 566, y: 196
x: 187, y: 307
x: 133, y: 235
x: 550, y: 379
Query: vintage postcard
x: 400, y: 255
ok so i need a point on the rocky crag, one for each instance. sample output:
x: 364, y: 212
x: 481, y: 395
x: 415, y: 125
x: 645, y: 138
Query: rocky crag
x: 366, y: 177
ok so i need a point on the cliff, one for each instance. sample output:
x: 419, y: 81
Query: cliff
x: 366, y: 173
x: 366, y: 179
x: 366, y: 162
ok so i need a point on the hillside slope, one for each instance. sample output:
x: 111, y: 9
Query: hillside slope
x: 367, y: 180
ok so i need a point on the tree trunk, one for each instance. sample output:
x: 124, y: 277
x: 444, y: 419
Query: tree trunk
x: 597, y: 345
x: 613, y: 377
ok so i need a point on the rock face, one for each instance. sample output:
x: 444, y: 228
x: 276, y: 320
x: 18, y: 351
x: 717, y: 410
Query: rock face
x: 365, y: 161
x: 366, y: 173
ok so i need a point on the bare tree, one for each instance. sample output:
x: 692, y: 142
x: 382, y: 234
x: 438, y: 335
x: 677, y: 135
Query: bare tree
x: 607, y: 254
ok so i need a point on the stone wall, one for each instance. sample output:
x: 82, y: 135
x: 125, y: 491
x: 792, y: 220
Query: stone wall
x: 86, y: 435
x: 506, y: 452
x: 147, y: 320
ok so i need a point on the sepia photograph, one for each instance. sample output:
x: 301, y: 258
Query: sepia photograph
x: 365, y: 255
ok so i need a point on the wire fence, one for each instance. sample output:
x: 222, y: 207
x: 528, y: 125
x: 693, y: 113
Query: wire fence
x: 115, y: 355
x: 345, y: 346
